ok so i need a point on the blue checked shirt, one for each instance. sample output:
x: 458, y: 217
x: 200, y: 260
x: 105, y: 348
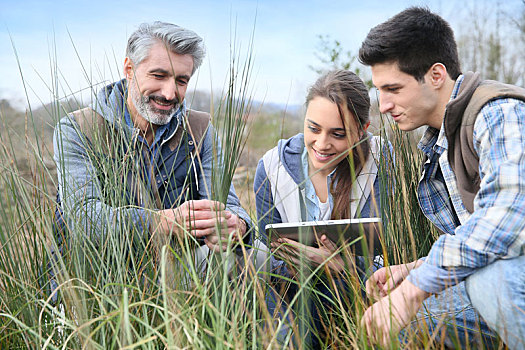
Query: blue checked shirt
x: 496, y: 228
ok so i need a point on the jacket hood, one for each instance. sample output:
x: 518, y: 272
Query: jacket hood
x: 110, y: 103
x: 290, y: 152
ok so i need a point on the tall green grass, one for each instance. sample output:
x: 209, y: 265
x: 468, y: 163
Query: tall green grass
x: 126, y: 291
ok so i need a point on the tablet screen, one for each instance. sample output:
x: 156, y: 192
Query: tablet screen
x: 360, y: 233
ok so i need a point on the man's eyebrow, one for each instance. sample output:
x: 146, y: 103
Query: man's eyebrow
x: 165, y: 72
x: 388, y: 86
x: 159, y: 70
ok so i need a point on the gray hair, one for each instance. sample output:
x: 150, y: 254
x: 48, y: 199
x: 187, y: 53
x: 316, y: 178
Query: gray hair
x: 179, y: 40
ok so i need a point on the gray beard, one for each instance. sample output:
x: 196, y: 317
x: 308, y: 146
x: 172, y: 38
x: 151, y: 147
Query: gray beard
x: 147, y: 111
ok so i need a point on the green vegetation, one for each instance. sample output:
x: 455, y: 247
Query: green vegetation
x: 127, y: 292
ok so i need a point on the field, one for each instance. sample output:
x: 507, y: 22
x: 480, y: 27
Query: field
x: 124, y: 291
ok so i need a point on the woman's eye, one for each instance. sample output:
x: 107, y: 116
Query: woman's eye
x: 339, y: 136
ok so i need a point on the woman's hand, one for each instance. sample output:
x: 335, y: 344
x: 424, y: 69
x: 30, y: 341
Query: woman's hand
x: 294, y: 252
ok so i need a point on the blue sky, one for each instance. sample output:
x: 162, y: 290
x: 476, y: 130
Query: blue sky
x: 84, y: 41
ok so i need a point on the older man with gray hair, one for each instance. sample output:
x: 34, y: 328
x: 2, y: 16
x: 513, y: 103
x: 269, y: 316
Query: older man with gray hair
x: 138, y: 161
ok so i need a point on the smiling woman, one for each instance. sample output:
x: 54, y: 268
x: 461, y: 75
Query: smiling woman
x: 329, y: 172
x: 324, y: 136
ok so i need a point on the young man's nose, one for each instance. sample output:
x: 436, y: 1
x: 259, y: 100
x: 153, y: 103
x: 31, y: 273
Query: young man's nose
x: 385, y: 104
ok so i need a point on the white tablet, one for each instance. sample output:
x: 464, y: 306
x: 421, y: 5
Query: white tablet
x: 339, y: 231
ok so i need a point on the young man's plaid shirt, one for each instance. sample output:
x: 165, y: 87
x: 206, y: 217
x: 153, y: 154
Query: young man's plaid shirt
x: 496, y: 229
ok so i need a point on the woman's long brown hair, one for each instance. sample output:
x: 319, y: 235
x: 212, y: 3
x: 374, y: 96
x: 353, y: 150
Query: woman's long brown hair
x: 350, y: 94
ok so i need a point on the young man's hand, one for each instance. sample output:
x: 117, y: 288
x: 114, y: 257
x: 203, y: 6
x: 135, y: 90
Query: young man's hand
x: 386, y: 279
x: 388, y: 316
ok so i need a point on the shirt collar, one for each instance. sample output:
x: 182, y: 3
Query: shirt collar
x: 457, y: 85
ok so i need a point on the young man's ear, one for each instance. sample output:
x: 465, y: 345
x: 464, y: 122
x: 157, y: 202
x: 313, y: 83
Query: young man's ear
x: 128, y: 68
x: 437, y: 74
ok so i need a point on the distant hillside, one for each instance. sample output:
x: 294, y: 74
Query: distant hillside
x: 26, y: 133
x: 27, y: 138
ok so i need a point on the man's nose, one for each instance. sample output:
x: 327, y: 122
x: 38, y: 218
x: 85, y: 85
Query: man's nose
x: 385, y: 104
x: 170, y: 90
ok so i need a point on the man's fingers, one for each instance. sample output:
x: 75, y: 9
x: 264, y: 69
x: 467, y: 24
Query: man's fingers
x: 292, y: 244
x: 205, y: 224
x: 289, y: 248
x: 203, y: 232
x: 373, y: 291
x: 233, y: 221
x: 366, y: 324
x: 373, y: 286
x: 389, y: 286
x: 370, y: 286
x: 217, y: 248
x: 201, y: 215
x: 187, y: 215
x: 283, y: 252
x: 203, y: 204
x: 214, y: 248
x: 375, y: 324
x: 214, y: 238
x: 393, y: 281
x: 293, y: 260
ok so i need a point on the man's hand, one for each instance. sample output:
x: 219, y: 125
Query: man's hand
x: 197, y: 216
x: 235, y: 227
x: 392, y: 313
x: 203, y: 218
x: 386, y: 279
x: 294, y: 252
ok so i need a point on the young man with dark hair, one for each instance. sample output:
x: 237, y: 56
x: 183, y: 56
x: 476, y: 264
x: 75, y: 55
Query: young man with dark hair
x: 472, y: 188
